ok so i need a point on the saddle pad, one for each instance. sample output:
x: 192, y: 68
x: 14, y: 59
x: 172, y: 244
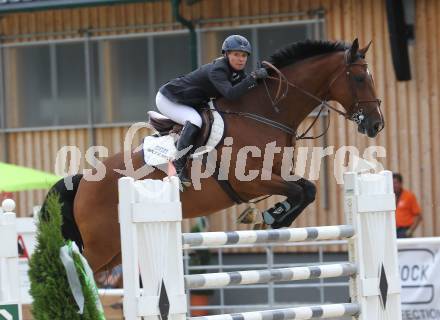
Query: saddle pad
x: 159, y: 150
x: 216, y: 135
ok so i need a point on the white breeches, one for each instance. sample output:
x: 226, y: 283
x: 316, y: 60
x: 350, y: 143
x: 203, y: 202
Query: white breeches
x: 179, y: 113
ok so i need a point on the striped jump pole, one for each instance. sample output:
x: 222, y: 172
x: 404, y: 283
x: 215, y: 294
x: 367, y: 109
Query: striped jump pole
x: 150, y: 218
x: 313, y: 312
x: 216, y: 239
x: 224, y: 279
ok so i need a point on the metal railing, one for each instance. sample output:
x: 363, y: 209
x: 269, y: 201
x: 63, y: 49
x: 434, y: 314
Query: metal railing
x: 221, y: 266
x: 318, y: 284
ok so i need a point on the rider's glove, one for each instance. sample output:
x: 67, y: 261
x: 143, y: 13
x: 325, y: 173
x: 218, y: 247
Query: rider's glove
x: 260, y: 73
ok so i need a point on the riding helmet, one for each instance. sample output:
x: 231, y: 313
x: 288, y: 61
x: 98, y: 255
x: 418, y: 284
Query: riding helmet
x: 236, y: 43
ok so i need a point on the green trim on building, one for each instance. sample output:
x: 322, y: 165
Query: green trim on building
x: 39, y: 5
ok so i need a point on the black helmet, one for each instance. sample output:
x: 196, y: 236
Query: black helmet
x: 236, y: 43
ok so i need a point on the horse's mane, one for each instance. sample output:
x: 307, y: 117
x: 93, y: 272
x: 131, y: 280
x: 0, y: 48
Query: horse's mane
x: 297, y: 51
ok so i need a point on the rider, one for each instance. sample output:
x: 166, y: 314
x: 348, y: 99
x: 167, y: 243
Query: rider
x: 224, y: 77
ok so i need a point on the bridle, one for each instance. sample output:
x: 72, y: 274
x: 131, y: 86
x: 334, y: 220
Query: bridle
x: 356, y: 112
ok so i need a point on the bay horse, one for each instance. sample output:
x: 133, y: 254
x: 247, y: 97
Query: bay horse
x: 309, y: 73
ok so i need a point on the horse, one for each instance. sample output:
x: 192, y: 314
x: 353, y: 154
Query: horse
x: 302, y: 76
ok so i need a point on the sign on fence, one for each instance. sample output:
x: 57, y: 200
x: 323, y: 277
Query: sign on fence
x: 9, y: 312
x: 419, y: 261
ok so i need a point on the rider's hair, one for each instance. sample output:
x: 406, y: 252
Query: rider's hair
x: 398, y: 177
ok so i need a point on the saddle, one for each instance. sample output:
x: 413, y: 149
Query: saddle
x: 165, y: 126
x: 160, y: 147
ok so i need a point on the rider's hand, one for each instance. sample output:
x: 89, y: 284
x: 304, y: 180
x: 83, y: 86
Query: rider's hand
x: 260, y: 73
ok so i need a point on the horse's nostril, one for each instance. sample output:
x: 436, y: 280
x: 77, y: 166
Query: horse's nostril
x: 377, y: 126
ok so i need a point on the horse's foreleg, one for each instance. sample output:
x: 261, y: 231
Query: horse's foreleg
x: 299, y: 195
x: 278, y: 186
x: 308, y: 196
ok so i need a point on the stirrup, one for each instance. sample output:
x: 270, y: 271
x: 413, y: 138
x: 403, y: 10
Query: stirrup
x: 184, y: 179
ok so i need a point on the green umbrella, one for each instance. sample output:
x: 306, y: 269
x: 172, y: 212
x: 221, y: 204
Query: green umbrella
x: 16, y: 178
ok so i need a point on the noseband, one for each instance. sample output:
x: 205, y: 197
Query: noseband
x: 356, y: 113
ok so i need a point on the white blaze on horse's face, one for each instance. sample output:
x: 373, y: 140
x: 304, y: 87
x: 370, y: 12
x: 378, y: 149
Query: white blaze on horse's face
x: 370, y: 75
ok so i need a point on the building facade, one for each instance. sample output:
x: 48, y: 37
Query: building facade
x: 80, y: 76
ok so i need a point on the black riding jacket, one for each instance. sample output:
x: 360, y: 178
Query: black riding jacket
x: 212, y: 80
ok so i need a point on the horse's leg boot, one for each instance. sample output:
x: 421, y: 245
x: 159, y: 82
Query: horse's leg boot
x: 278, y: 212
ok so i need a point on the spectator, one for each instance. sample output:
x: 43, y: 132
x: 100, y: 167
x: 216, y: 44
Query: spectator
x: 5, y: 195
x: 408, y: 212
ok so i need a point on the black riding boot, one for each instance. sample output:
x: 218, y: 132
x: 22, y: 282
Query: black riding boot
x: 187, y: 138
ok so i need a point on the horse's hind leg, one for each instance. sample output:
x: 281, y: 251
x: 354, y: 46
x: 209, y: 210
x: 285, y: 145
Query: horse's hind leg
x: 96, y: 214
x: 105, y: 276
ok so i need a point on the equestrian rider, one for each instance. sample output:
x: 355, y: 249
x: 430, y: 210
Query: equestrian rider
x: 224, y: 77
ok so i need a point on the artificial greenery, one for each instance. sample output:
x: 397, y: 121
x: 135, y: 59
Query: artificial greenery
x: 52, y: 296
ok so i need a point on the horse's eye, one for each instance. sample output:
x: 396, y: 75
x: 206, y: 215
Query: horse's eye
x: 359, y: 78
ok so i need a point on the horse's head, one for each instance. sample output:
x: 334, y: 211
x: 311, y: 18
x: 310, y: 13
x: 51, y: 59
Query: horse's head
x: 353, y: 87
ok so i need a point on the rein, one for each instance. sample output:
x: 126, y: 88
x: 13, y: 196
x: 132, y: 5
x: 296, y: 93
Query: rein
x: 283, y: 89
x: 282, y: 79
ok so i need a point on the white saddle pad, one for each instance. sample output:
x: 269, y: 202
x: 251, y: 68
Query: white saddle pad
x: 161, y: 150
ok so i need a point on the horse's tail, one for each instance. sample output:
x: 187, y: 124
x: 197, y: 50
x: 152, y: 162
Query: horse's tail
x: 69, y: 228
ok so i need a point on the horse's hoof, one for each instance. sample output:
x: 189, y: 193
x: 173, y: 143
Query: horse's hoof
x: 249, y: 215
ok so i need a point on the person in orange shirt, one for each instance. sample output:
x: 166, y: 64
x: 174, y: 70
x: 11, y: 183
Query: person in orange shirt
x: 408, y: 212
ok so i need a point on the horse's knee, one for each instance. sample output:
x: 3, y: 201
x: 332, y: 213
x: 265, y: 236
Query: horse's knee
x: 309, y: 192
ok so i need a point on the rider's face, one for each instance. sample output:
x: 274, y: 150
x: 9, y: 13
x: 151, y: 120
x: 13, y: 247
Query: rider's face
x: 237, y: 59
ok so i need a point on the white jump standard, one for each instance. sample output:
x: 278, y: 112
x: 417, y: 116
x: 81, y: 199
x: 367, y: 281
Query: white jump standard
x: 10, y: 306
x: 150, y: 218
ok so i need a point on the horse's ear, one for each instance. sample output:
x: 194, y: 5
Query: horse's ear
x: 364, y: 50
x: 353, y: 50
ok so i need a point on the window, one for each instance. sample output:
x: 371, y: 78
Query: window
x: 172, y: 57
x: 28, y: 86
x: 273, y: 38
x: 70, y: 92
x: 265, y: 39
x: 46, y: 85
x: 410, y: 13
x: 127, y: 74
x: 124, y: 83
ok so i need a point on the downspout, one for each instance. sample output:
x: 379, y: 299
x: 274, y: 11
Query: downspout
x: 192, y: 32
